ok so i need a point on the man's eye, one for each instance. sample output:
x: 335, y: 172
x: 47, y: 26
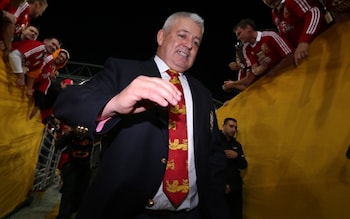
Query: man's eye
x: 197, y: 43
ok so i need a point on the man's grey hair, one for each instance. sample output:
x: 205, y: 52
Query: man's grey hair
x: 193, y: 16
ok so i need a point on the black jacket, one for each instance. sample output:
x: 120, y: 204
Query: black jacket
x: 233, y: 173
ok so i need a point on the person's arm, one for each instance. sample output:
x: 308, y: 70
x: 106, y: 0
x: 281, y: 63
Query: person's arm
x: 16, y: 3
x: 140, y: 94
x: 239, y: 84
x: 282, y: 49
x: 234, y: 66
x: 15, y: 59
x: 259, y: 69
x: 7, y: 16
x: 312, y: 18
x: 301, y: 52
x: 312, y: 24
x: 241, y: 161
x: 30, y: 81
x: 230, y: 154
x: 285, y: 62
x: 112, y: 93
x: 230, y: 85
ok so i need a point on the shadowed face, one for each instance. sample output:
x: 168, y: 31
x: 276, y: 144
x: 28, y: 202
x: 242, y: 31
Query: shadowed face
x: 244, y: 34
x: 37, y: 9
x: 61, y: 58
x: 30, y: 33
x: 51, y: 45
x: 229, y: 129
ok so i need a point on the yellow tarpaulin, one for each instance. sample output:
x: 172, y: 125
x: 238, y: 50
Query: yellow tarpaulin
x: 19, y: 142
x: 295, y: 130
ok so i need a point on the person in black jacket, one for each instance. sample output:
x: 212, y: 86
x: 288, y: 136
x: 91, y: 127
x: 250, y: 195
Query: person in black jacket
x: 235, y: 162
x: 76, y: 172
x: 127, y: 102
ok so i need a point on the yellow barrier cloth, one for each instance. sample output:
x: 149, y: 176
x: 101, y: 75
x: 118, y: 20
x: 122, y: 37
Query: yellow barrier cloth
x: 20, y: 139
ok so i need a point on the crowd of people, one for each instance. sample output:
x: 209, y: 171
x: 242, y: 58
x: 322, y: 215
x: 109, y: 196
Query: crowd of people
x: 35, y: 64
x: 267, y: 52
x: 131, y: 97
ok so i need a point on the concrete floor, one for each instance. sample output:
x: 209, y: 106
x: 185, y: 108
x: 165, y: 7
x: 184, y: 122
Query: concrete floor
x: 44, y: 205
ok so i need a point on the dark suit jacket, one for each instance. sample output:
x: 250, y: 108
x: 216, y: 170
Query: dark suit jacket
x: 131, y: 170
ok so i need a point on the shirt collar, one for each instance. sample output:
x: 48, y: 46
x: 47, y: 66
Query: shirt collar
x: 162, y: 67
x: 258, y: 37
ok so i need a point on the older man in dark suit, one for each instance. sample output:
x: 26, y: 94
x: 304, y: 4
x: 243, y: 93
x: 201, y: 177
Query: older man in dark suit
x: 127, y: 103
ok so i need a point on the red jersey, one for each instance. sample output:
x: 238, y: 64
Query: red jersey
x: 43, y: 81
x: 48, y: 65
x: 269, y: 44
x: 298, y: 20
x: 21, y: 13
x: 23, y: 18
x: 4, y: 4
x: 33, y: 52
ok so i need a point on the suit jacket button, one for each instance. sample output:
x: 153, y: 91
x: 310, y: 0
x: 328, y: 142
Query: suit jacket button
x: 163, y: 160
x: 150, y: 203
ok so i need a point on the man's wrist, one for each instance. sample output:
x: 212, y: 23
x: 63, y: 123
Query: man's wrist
x: 254, y: 71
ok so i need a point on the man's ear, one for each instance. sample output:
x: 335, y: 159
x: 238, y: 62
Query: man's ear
x: 160, y: 37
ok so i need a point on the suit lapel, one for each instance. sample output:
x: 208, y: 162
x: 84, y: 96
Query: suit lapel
x: 150, y: 68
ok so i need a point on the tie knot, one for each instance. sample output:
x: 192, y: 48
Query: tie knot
x: 173, y: 73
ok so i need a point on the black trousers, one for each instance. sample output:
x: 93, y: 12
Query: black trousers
x: 149, y: 214
x: 235, y: 203
x: 75, y: 183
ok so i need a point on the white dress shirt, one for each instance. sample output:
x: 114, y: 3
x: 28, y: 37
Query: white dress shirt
x: 161, y: 202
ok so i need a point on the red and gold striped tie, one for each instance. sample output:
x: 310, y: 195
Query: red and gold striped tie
x: 175, y: 182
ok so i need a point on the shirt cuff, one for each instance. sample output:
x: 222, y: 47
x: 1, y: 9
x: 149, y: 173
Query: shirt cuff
x: 101, y: 124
